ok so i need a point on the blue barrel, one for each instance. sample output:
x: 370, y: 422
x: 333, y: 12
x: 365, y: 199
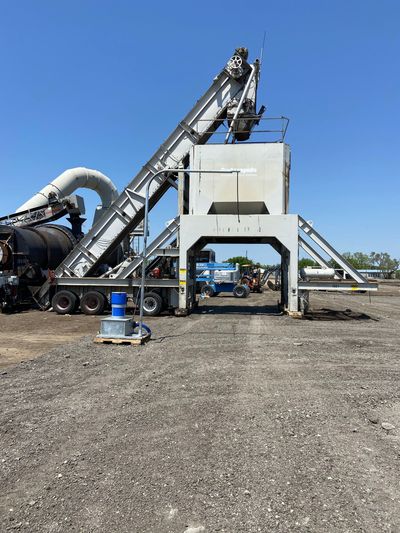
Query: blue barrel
x: 118, y: 304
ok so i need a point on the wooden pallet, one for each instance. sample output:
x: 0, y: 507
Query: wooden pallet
x: 132, y: 342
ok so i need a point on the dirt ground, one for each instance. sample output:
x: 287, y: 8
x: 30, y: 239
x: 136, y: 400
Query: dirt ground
x: 234, y: 419
x: 26, y: 335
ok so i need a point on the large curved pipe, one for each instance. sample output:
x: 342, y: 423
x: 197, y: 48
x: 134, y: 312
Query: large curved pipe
x: 70, y: 180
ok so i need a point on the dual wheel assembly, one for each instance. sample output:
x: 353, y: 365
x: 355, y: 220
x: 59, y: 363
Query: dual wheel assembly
x: 95, y: 303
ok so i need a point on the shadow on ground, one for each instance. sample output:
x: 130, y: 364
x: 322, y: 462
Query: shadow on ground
x: 334, y: 314
x: 238, y: 310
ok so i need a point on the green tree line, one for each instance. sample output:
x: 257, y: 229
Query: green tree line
x: 359, y: 260
x: 362, y: 261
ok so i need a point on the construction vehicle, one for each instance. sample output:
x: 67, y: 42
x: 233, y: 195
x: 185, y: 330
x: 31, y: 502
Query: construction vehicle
x: 234, y: 191
x: 253, y: 277
x: 216, y: 278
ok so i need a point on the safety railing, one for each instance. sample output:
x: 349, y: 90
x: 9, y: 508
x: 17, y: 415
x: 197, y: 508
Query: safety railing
x: 274, y: 134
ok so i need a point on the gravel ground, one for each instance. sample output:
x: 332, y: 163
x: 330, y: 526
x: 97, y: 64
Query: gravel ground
x: 234, y: 419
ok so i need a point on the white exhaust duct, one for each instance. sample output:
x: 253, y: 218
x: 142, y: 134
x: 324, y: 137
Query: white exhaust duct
x: 71, y: 180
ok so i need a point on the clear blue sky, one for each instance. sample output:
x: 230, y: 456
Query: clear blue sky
x: 101, y: 84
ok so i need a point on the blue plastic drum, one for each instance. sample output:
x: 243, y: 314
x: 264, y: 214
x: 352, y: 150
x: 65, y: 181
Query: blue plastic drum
x: 118, y: 304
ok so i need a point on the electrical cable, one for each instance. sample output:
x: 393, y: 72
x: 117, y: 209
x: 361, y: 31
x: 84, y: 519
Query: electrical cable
x: 237, y: 195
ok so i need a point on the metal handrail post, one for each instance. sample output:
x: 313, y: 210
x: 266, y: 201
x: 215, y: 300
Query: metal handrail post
x: 146, y: 224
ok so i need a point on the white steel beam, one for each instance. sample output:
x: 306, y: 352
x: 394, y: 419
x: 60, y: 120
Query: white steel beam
x: 331, y: 286
x: 329, y: 250
x: 315, y: 255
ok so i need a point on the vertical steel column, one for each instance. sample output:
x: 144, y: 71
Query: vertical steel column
x: 165, y: 171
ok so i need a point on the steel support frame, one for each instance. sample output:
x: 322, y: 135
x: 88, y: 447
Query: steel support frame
x: 315, y: 255
x: 329, y: 250
x: 224, y: 228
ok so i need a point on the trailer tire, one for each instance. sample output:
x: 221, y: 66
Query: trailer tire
x: 241, y: 291
x: 64, y: 302
x: 207, y: 290
x: 93, y: 303
x: 152, y: 304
